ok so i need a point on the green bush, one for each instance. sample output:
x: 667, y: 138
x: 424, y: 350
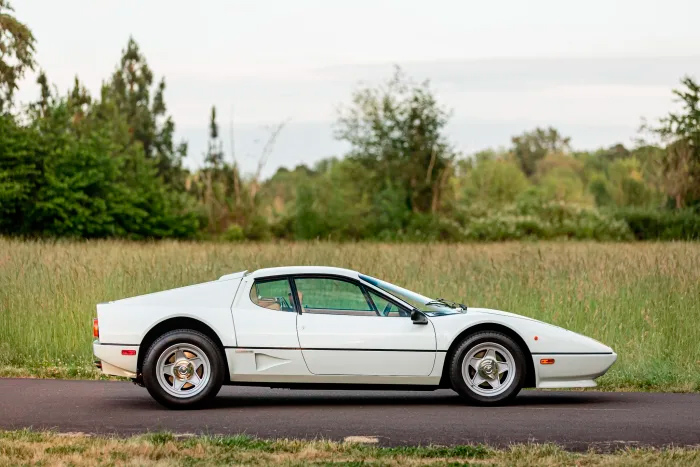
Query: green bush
x: 526, y: 220
x: 62, y: 179
x: 430, y: 227
x: 648, y: 224
x: 257, y: 229
x: 234, y: 233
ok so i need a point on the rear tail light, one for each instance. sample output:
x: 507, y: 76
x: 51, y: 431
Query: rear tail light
x: 95, y: 329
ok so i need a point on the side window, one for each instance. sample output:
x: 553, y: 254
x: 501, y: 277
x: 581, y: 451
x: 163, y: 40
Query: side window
x: 273, y: 295
x: 332, y: 296
x: 387, y: 308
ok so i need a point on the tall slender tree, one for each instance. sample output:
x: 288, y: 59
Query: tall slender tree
x: 681, y: 132
x: 214, y: 157
x: 42, y: 105
x: 144, y: 106
x: 16, y: 53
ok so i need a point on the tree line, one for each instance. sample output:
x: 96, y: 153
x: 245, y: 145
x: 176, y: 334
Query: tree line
x: 92, y: 166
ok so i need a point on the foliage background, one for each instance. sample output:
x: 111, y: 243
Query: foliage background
x: 82, y: 166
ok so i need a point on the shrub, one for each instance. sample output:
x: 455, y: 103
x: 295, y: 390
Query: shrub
x: 525, y: 220
x: 647, y: 224
x: 431, y: 227
x: 234, y: 233
x: 257, y: 229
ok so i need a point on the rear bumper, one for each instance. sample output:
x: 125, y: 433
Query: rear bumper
x: 572, y: 371
x: 111, y: 361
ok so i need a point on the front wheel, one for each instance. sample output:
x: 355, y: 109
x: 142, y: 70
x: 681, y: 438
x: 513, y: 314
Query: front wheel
x: 488, y: 368
x: 183, y: 369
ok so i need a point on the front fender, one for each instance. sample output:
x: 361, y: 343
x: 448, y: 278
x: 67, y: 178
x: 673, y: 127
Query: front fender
x: 539, y: 337
x: 576, y: 360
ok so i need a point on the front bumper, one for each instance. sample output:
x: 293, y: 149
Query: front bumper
x: 111, y: 361
x: 572, y: 371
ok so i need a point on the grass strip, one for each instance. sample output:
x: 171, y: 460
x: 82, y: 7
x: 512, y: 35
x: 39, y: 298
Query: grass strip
x: 29, y: 447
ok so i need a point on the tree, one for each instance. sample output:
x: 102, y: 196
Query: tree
x: 131, y: 87
x: 21, y: 168
x: 307, y: 222
x: 557, y: 160
x: 16, y: 53
x: 396, y: 131
x: 627, y: 184
x: 494, y: 183
x: 70, y: 168
x: 681, y: 132
x: 214, y: 157
x: 615, y: 152
x: 272, y: 134
x: 45, y: 96
x: 214, y: 192
x: 530, y: 147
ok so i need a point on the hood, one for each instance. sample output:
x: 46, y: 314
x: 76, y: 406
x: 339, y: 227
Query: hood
x: 489, y: 311
x: 538, y: 335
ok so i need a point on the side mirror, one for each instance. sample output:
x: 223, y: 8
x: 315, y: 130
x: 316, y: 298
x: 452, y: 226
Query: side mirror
x: 418, y: 318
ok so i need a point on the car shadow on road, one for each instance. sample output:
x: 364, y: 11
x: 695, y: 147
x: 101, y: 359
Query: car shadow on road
x: 326, y: 399
x: 258, y: 398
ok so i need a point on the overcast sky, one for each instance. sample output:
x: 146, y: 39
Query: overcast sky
x: 592, y: 69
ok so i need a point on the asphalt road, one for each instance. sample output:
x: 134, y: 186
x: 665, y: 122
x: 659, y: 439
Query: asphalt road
x: 575, y: 420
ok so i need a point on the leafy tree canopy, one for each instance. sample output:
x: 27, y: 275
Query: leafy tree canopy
x: 397, y: 131
x: 16, y: 53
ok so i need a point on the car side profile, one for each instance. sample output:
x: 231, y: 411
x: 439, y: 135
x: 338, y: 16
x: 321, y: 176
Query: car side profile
x: 324, y: 327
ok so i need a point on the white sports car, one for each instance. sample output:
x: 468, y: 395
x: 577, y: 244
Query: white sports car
x: 323, y: 327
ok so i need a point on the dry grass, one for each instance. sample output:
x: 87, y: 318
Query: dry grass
x: 34, y: 448
x: 643, y: 299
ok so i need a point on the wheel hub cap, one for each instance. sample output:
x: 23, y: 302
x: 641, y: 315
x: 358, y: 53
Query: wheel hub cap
x: 183, y: 370
x: 488, y: 368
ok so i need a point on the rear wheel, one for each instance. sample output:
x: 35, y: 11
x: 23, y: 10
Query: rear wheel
x: 183, y: 369
x: 488, y: 368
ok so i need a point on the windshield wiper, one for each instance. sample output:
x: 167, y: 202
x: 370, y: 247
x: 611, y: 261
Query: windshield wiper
x: 443, y: 302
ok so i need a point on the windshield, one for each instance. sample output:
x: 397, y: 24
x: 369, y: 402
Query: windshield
x: 429, y: 306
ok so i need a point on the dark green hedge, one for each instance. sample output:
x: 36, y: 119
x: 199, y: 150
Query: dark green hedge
x: 646, y: 224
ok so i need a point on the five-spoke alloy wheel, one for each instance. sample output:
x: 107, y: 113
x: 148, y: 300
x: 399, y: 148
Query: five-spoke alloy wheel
x: 183, y: 369
x: 487, y: 367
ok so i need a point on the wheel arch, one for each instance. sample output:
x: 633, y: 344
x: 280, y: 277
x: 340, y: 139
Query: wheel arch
x: 171, y: 324
x: 530, y: 379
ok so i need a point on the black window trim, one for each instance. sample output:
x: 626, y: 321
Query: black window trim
x: 364, y: 286
x: 352, y: 281
x: 384, y: 294
x: 388, y: 299
x: 290, y: 282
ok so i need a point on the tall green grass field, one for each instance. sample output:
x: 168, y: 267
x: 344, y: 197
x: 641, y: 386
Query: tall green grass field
x: 643, y: 299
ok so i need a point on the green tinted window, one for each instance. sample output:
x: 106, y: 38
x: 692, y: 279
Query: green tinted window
x: 331, y: 295
x: 386, y: 308
x: 273, y: 295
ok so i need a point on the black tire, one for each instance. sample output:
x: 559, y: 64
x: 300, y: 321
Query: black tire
x: 465, y: 389
x: 185, y: 337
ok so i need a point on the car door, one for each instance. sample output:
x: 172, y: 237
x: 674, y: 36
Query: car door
x: 264, y: 318
x: 347, y: 329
